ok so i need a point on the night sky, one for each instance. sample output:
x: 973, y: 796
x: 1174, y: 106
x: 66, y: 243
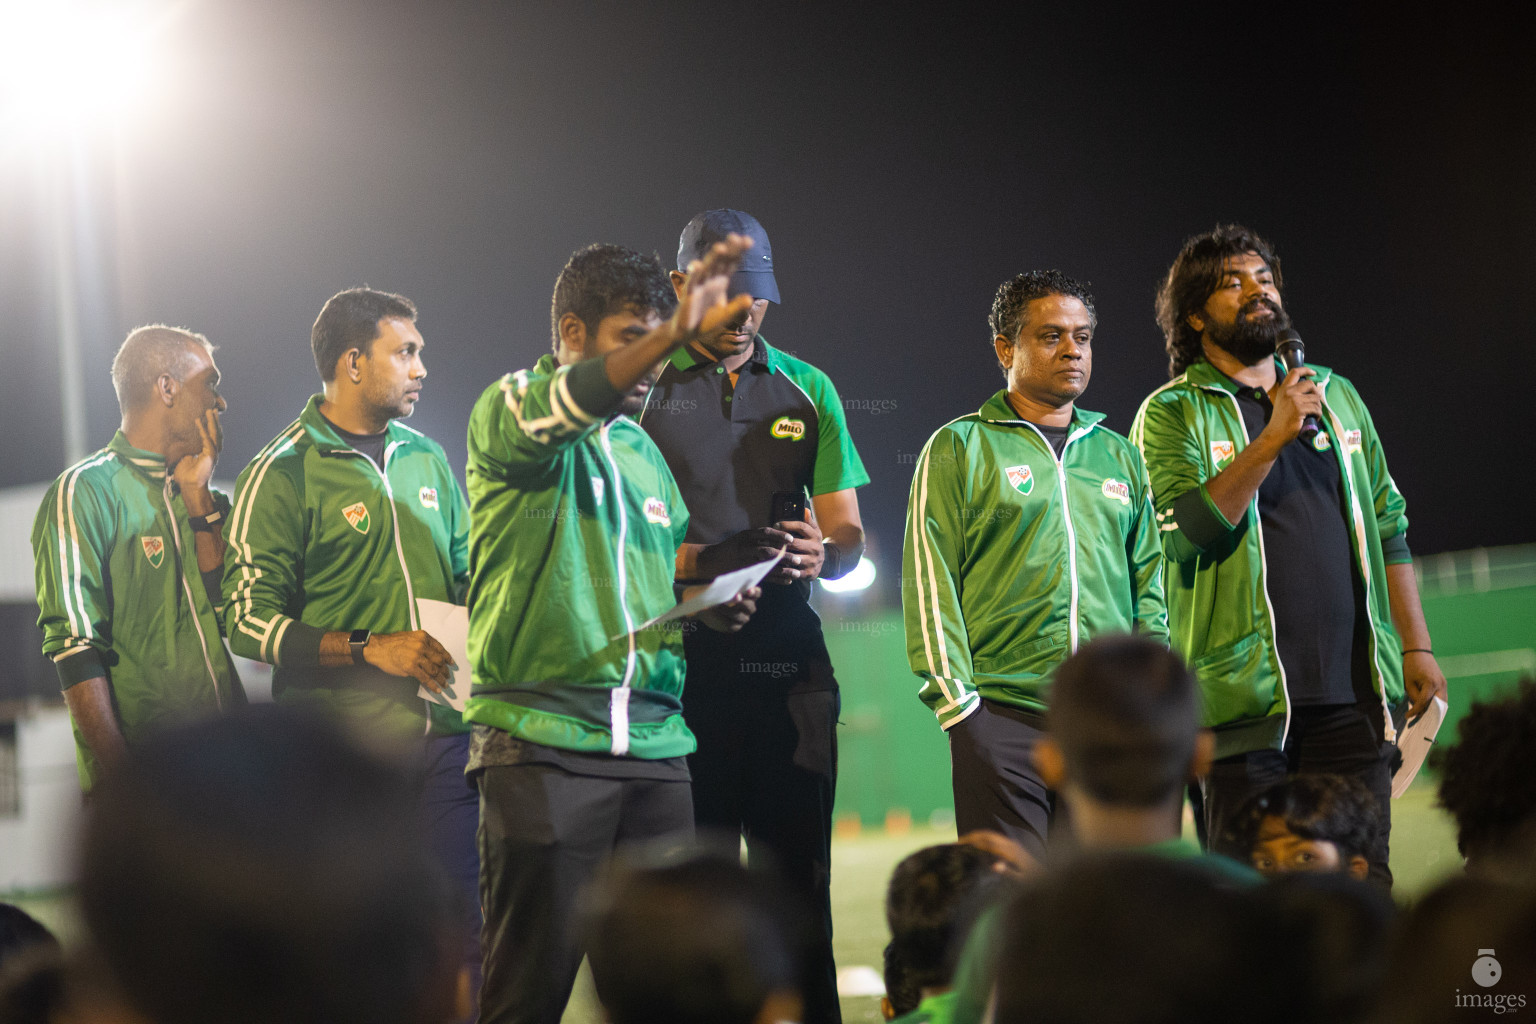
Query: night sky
x: 904, y: 166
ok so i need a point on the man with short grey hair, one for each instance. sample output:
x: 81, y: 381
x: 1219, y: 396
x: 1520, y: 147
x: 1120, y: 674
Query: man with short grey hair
x: 129, y: 552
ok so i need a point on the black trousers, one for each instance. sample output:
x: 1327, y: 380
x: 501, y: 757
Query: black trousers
x: 1331, y: 739
x: 544, y: 835
x: 766, y: 769
x: 995, y: 781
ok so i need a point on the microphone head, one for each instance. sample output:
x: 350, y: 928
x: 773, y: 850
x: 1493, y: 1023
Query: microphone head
x: 1288, y: 338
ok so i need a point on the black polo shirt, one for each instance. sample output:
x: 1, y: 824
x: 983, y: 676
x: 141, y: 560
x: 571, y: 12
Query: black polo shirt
x: 779, y: 427
x: 1321, y: 632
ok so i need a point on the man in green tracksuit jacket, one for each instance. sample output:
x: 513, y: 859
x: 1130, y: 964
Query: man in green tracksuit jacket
x: 1290, y: 584
x: 1029, y: 531
x: 579, y: 741
x: 128, y: 550
x: 340, y: 525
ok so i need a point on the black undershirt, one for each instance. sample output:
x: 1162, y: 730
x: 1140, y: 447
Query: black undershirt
x: 1056, y: 437
x: 1314, y: 590
x: 371, y: 445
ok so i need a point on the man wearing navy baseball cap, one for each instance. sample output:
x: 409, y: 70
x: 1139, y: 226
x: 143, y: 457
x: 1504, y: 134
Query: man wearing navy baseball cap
x: 749, y: 432
x: 755, y: 278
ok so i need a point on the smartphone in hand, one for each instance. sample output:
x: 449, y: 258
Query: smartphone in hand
x: 788, y: 506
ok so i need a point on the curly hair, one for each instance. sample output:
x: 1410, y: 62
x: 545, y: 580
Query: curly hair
x: 1194, y: 278
x: 932, y: 900
x: 1488, y: 780
x: 1014, y: 296
x: 1324, y: 808
x: 601, y: 280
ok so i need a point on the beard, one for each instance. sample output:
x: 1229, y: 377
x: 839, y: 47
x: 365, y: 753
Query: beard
x: 389, y: 401
x: 722, y: 344
x: 1250, y: 341
x: 633, y: 402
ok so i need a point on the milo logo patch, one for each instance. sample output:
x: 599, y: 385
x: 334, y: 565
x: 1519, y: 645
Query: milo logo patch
x: 1117, y: 490
x: 786, y: 427
x: 656, y: 512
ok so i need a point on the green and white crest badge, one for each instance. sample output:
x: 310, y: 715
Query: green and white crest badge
x: 357, y: 517
x: 1022, y: 478
x: 154, y: 550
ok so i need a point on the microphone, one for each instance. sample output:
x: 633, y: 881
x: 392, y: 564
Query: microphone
x: 1293, y: 353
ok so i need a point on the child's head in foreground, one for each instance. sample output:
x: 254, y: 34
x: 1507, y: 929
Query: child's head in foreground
x: 932, y: 899
x: 1308, y: 823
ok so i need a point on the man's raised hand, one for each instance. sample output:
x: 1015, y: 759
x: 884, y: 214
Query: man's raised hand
x: 704, y: 306
x: 193, y: 472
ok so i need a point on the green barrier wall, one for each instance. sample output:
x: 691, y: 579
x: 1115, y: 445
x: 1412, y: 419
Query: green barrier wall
x: 892, y: 755
x: 1480, y: 605
x: 1481, y: 610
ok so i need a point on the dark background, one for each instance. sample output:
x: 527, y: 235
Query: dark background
x: 904, y: 164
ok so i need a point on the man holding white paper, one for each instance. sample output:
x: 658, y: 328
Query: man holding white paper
x: 579, y: 744
x: 759, y: 443
x: 340, y: 526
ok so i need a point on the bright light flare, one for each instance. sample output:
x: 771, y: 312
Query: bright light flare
x: 72, y: 64
x: 860, y: 578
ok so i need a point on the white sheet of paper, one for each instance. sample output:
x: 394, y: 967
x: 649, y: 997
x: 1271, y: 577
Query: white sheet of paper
x: 719, y: 590
x: 448, y: 624
x: 1418, y: 736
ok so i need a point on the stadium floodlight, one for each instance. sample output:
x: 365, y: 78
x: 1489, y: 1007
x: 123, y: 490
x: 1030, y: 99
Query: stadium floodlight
x: 72, y: 64
x: 860, y: 578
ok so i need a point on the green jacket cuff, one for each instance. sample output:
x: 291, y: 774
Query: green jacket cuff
x: 301, y: 645
x: 1394, y: 549
x: 1199, y: 518
x: 590, y: 388
x: 77, y: 668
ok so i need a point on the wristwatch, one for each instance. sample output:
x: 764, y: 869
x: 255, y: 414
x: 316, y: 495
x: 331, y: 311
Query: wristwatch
x: 204, y: 524
x: 357, y: 640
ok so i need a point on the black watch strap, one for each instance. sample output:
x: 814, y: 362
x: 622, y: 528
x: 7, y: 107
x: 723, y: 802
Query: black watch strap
x: 204, y: 524
x: 357, y: 640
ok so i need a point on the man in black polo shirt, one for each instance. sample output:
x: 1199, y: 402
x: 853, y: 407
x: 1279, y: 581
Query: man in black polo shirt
x: 1290, y: 584
x: 738, y: 421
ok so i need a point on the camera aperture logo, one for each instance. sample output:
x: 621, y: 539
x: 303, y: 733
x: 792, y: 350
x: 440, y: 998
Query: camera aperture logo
x: 1487, y: 972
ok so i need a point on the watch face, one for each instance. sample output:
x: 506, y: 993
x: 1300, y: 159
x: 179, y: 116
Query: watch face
x: 359, y: 637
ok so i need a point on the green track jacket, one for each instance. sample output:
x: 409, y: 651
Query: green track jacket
x: 575, y: 524
x: 321, y: 540
x: 120, y: 596
x: 1013, y: 558
x: 1189, y: 430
